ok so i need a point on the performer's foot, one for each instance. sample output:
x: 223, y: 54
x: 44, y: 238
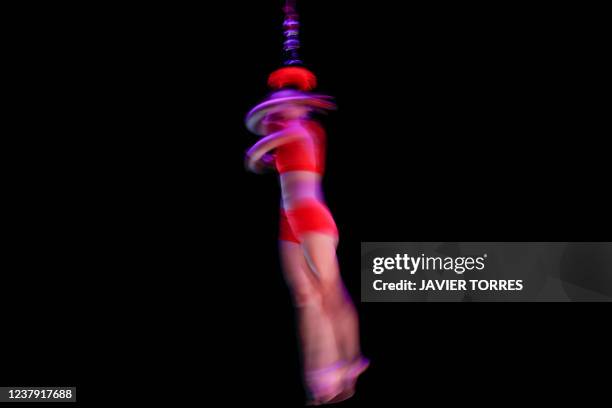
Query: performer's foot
x: 353, y: 371
x: 327, y: 383
x: 357, y: 367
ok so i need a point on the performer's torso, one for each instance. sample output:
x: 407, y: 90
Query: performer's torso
x: 305, y: 154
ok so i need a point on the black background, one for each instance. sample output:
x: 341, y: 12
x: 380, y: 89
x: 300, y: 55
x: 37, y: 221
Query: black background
x: 137, y: 224
x: 455, y: 122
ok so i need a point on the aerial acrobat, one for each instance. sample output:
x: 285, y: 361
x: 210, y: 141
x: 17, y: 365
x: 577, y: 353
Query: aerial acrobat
x: 293, y: 143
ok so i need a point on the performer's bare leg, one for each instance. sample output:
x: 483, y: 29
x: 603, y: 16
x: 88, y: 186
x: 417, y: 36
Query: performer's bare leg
x: 320, y: 252
x: 318, y: 340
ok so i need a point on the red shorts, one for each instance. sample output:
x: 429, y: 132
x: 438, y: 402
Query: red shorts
x: 308, y: 216
x: 285, y: 231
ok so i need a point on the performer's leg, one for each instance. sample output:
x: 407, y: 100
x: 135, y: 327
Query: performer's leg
x: 316, y: 333
x: 320, y: 252
x: 315, y: 226
x: 312, y: 221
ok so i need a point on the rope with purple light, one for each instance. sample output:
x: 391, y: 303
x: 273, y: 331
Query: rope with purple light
x: 293, y: 74
x: 291, y: 31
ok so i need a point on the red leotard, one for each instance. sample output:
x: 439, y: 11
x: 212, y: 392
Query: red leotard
x: 304, y: 154
x: 309, y: 215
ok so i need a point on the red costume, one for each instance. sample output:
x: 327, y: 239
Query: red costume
x: 309, y: 215
x: 304, y: 154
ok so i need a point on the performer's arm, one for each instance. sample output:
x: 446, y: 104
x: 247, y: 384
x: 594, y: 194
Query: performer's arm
x: 259, y: 149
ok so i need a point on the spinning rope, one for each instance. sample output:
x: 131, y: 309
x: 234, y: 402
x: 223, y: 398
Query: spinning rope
x: 291, y: 83
x: 293, y: 74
